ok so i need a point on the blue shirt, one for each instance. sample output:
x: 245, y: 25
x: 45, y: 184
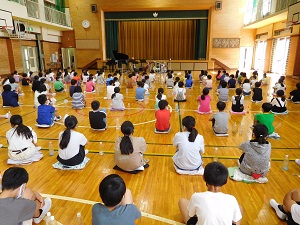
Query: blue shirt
x: 107, y: 81
x: 188, y: 83
x: 10, y: 98
x: 139, y: 93
x: 45, y: 114
x: 72, y: 88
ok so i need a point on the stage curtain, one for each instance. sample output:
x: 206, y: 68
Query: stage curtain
x: 111, y: 32
x: 201, y: 39
x: 158, y: 39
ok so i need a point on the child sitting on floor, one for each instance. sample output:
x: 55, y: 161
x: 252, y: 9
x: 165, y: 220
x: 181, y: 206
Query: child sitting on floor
x: 279, y: 102
x: 246, y: 87
x: 72, y: 87
x: 180, y: 93
x: 204, y: 102
x: 255, y: 160
x: 257, y: 93
x: 237, y: 101
x: 117, y: 102
x: 170, y: 81
x: 208, y: 82
x: 97, y: 117
x: 58, y: 85
x: 295, y: 94
x: 46, y: 113
x: 110, y: 89
x: 163, y: 116
x: 140, y: 91
x: 25, y: 80
x: 188, y: 81
x: 223, y: 92
x: 9, y: 97
x: 89, y: 85
x: 220, y: 119
x: 78, y: 101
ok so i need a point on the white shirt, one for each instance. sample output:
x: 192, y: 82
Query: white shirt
x: 208, y: 83
x: 72, y: 149
x: 246, y: 87
x: 109, y: 91
x: 276, y: 103
x: 188, y: 155
x: 214, y: 208
x: 295, y: 211
x: 152, y: 77
x: 17, y: 142
x: 177, y: 90
x: 234, y: 101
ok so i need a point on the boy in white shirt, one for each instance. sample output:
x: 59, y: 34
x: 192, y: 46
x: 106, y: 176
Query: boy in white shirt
x: 211, y: 207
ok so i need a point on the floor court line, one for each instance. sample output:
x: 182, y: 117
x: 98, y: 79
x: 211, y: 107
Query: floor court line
x: 88, y: 202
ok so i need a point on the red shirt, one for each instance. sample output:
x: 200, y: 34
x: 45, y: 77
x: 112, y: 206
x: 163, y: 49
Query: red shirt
x: 162, y: 119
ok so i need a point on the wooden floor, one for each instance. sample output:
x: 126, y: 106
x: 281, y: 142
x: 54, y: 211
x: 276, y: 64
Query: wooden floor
x: 156, y: 190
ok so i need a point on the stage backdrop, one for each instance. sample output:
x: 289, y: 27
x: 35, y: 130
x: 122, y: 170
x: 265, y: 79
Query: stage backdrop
x: 179, y: 35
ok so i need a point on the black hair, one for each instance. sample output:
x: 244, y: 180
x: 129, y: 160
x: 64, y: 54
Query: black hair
x: 152, y: 71
x: 73, y: 82
x: 209, y: 77
x: 75, y: 74
x: 160, y: 90
x: 42, y: 99
x: 221, y: 106
x: 15, y: 72
x: 162, y: 104
x: 298, y: 86
x: 280, y: 93
x: 266, y: 106
x: 41, y: 88
x: 205, y: 92
x: 232, y: 76
x: 189, y: 122
x: 77, y: 89
x: 116, y: 90
x: 115, y: 79
x: 177, y: 79
x: 280, y: 80
x: 95, y: 104
x: 43, y: 80
x: 238, y: 91
x: 112, y: 189
x: 57, y: 77
x: 180, y: 84
x: 91, y: 76
x: 24, y: 75
x: 126, y: 146
x: 36, y: 77
x: 215, y: 174
x: 111, y: 82
x: 260, y: 132
x: 144, y: 80
x: 169, y: 75
x: 257, y: 84
x: 70, y: 123
x: 6, y: 87
x: 21, y: 129
x: 246, y: 81
x: 140, y: 84
x: 146, y: 77
x: 223, y: 84
x: 129, y: 76
x: 159, y: 96
x: 254, y: 77
x: 14, y: 177
x: 11, y: 80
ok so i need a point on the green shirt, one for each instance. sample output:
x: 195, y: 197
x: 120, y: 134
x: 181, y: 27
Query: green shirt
x: 58, y: 85
x: 266, y: 119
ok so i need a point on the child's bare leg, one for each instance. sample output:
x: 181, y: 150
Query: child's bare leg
x: 183, y: 203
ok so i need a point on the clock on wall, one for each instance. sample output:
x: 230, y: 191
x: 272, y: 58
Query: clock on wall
x: 86, y: 24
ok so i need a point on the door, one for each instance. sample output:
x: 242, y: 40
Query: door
x: 280, y: 55
x: 260, y: 54
x: 246, y: 54
x: 68, y: 58
x: 29, y: 55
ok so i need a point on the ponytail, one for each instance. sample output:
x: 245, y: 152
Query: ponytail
x: 70, y: 123
x: 21, y: 129
x: 116, y: 90
x: 113, y: 95
x: 126, y: 146
x: 260, y: 132
x: 189, y: 122
x: 205, y: 92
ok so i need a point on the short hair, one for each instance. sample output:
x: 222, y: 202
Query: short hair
x: 232, y: 76
x: 267, y: 107
x: 223, y: 84
x: 73, y: 82
x: 209, y: 77
x: 24, y: 75
x: 11, y: 80
x: 298, y: 86
x: 111, y: 82
x: 146, y: 77
x: 95, y: 104
x: 238, y: 91
x: 36, y: 77
x: 221, y: 105
x: 112, y: 189
x: 180, y: 84
x: 216, y: 174
x: 42, y: 99
x: 7, y: 87
x: 140, y: 84
x: 162, y: 104
x: 115, y: 79
x: 257, y: 84
x: 246, y: 81
x: 160, y: 90
x: 13, y: 178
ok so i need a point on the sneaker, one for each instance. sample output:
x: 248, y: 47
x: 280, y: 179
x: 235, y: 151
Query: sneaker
x: 8, y: 115
x: 57, y: 118
x: 279, y: 213
x: 297, y: 161
x: 44, y: 209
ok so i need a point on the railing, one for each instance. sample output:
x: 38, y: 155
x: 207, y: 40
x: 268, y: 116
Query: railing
x: 22, y: 2
x: 265, y: 8
x: 55, y: 16
x: 33, y: 9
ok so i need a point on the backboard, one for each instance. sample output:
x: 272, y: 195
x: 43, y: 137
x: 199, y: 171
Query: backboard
x: 294, y: 14
x: 6, y: 20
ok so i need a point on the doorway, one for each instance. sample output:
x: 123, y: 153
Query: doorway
x: 246, y: 54
x: 260, y: 55
x: 30, y: 60
x: 68, y: 58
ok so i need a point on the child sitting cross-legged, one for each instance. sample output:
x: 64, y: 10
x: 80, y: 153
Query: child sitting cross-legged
x: 237, y: 101
x: 97, y: 117
x: 212, y: 206
x: 279, y: 103
x: 117, y: 102
x: 220, y: 119
x: 163, y: 116
x: 46, y: 113
x: 204, y: 102
x: 9, y: 97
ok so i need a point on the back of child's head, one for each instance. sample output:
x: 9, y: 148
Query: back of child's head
x: 223, y: 84
x: 126, y: 146
x: 160, y: 90
x: 266, y: 106
x: 159, y: 96
x: 116, y: 79
x: 24, y: 75
x: 260, y: 132
x: 41, y: 88
x: 209, y: 77
x: 13, y: 178
x: 152, y: 71
x: 238, y: 91
x: 43, y: 80
x: 162, y: 104
x: 42, y: 99
x: 265, y: 75
x: 215, y: 174
x: 7, y: 87
x: 111, y: 82
x: 187, y: 76
x: 130, y: 75
x: 91, y: 77
x: 280, y: 94
x: 75, y: 74
x: 298, y: 86
x: 177, y: 79
x: 70, y: 123
x: 116, y: 90
x: 180, y: 84
x: 57, y: 77
x: 140, y: 84
x: 77, y: 89
x: 21, y: 129
x: 112, y: 189
x: 11, y: 80
x: 95, y: 105
x: 232, y: 76
x: 144, y: 80
x: 189, y: 123
x: 246, y: 81
x: 147, y: 77
x: 205, y: 92
x: 109, y: 75
x: 254, y: 77
x: 36, y: 78
x: 189, y: 71
x: 221, y: 105
x: 15, y: 72
x: 73, y: 82
x: 257, y: 84
x: 169, y: 75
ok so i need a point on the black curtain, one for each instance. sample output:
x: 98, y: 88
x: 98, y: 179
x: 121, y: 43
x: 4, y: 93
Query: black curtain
x: 111, y: 30
x: 201, y: 39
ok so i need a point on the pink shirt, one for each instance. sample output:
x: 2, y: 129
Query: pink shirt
x: 89, y: 86
x: 204, y: 104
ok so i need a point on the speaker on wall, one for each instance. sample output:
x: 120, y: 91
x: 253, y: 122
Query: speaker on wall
x: 218, y: 5
x: 94, y: 8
